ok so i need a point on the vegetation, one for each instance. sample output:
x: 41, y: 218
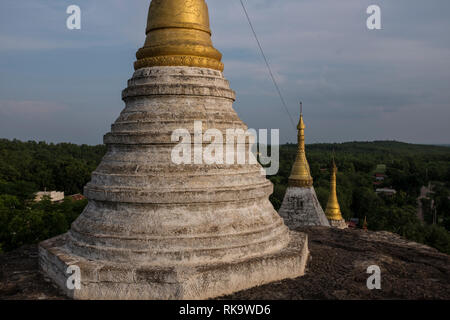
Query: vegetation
x: 28, y: 167
x: 26, y: 222
x: 407, y: 168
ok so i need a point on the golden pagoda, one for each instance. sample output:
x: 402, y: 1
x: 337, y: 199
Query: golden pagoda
x: 301, y: 174
x: 178, y: 34
x: 333, y: 211
x: 300, y: 205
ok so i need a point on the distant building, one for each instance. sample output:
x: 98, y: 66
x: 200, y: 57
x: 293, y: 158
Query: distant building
x: 386, y: 191
x: 54, y: 196
x: 77, y: 197
x: 379, y: 175
x: 353, y: 223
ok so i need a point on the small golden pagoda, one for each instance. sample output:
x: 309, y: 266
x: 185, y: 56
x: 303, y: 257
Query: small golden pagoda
x: 333, y: 211
x: 300, y: 205
x: 178, y: 34
x: 301, y: 173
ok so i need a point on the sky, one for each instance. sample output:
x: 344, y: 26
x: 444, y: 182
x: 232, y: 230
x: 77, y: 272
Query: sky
x: 60, y: 85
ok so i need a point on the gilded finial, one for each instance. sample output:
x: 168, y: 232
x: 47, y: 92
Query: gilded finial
x: 301, y: 174
x: 333, y: 211
x: 178, y: 34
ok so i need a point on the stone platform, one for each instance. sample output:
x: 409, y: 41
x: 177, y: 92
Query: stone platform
x: 336, y: 271
x: 340, y: 224
x: 102, y: 280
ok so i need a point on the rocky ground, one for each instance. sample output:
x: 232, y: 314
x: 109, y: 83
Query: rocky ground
x: 336, y: 270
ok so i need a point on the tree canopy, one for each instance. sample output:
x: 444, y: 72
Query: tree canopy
x: 28, y: 167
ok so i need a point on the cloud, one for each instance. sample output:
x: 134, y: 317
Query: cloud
x: 354, y: 83
x: 30, y: 109
x: 31, y: 25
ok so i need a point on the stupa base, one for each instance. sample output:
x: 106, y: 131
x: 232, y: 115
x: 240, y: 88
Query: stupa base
x: 301, y: 208
x: 340, y: 224
x: 103, y: 280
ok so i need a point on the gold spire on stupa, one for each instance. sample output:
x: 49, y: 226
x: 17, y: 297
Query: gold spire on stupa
x: 333, y: 211
x: 301, y: 174
x: 178, y: 34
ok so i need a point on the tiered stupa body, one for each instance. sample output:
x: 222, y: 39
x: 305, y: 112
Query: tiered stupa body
x: 154, y: 229
x: 300, y: 205
x: 333, y: 211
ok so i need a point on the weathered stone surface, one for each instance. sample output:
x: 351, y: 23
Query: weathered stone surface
x: 147, y: 212
x: 338, y: 266
x: 340, y: 224
x: 107, y: 280
x: 302, y: 208
x: 336, y: 270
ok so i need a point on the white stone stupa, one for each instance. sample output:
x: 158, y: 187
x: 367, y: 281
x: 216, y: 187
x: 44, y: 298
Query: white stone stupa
x: 154, y: 229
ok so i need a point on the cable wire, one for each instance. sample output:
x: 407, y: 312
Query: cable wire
x: 268, y: 65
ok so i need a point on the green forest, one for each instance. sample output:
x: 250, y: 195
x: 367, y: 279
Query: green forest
x: 408, y: 167
x: 28, y: 167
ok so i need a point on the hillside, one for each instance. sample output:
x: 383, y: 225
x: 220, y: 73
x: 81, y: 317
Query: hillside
x: 67, y: 167
x: 336, y: 271
x: 381, y: 146
x: 28, y: 167
x: 409, y: 167
x: 338, y: 258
